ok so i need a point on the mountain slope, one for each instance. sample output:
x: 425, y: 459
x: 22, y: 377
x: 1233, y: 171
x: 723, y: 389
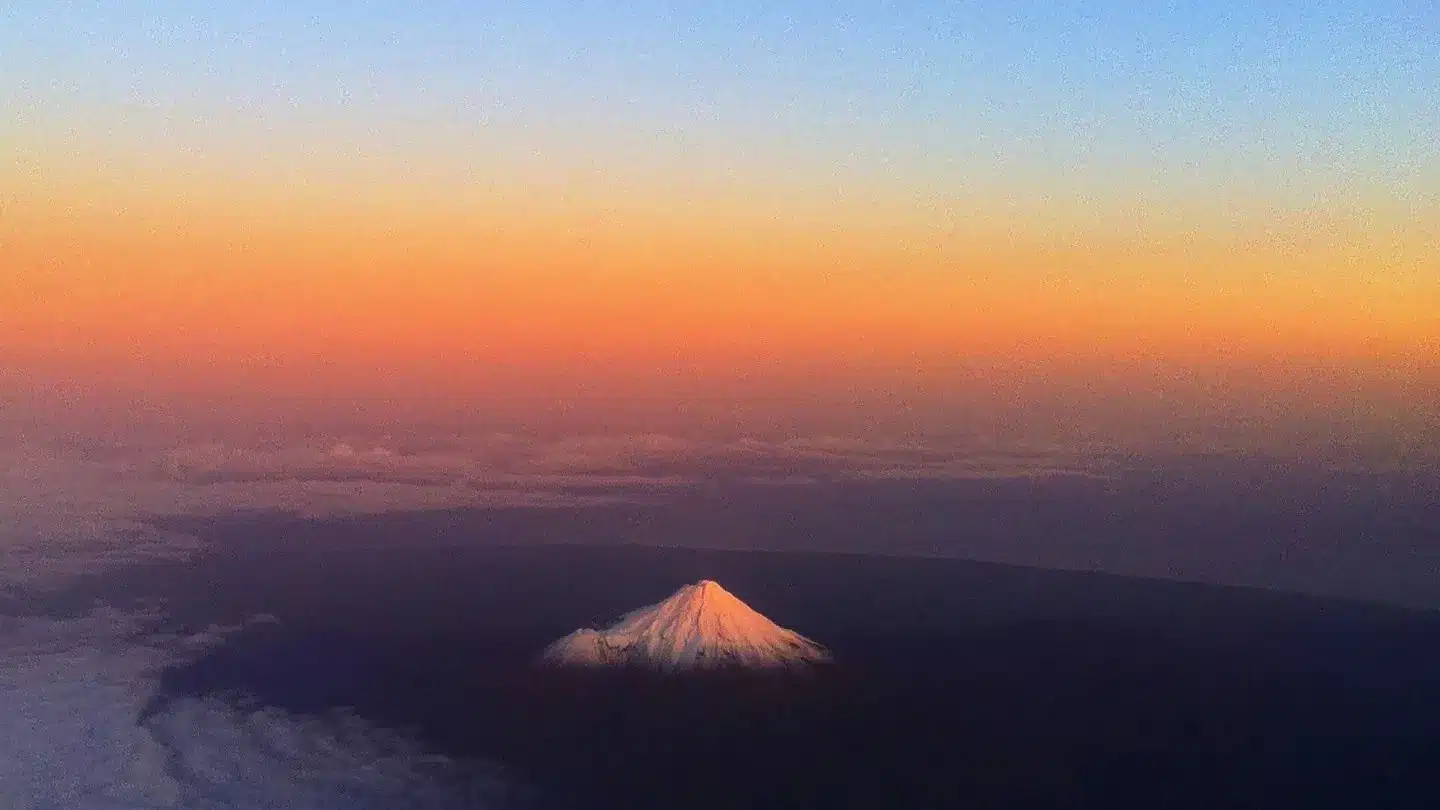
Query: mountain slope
x: 701, y: 626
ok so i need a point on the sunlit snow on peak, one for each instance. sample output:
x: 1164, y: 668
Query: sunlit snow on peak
x: 701, y: 626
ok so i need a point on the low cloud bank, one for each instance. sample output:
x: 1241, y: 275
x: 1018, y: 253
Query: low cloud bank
x: 68, y: 507
x: 72, y: 736
x: 606, y: 461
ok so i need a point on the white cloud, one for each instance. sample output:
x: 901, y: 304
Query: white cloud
x: 73, y: 691
x: 71, y: 736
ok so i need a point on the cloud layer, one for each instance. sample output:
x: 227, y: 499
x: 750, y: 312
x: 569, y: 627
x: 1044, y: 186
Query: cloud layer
x: 70, y: 507
x: 72, y: 736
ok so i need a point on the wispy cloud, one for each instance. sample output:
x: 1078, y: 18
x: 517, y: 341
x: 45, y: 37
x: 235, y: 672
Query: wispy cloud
x: 617, y: 463
x: 68, y: 507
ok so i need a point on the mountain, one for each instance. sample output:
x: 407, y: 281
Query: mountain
x: 701, y: 626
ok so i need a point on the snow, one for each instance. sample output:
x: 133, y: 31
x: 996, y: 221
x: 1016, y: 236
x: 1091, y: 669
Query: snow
x: 701, y: 626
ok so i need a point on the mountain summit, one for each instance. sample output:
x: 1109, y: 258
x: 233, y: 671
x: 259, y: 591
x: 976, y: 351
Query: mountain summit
x: 701, y: 626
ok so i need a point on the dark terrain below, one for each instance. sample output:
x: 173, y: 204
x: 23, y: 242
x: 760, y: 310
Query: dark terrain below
x: 958, y: 684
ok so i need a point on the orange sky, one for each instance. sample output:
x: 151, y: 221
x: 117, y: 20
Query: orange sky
x: 861, y: 307
x: 636, y: 286
x: 1055, y: 209
x: 465, y: 269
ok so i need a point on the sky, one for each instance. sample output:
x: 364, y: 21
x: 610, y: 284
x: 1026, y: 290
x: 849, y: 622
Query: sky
x: 341, y: 258
x: 1137, y: 223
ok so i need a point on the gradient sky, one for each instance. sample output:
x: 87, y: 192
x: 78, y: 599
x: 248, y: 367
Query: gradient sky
x: 1083, y: 217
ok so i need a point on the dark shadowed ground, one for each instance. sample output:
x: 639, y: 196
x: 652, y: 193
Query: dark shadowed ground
x: 958, y: 683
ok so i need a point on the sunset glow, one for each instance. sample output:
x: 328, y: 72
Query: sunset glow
x: 875, y: 208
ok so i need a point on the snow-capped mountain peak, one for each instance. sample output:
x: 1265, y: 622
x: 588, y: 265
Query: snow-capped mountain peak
x: 701, y: 626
